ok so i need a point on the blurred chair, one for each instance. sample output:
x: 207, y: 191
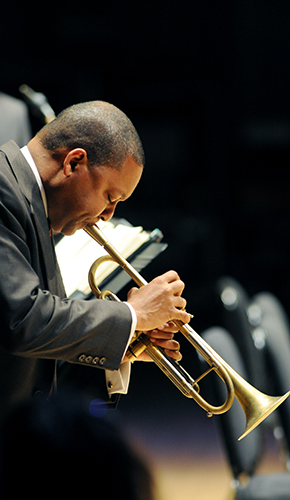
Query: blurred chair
x: 243, y: 456
x: 260, y: 327
x: 234, y: 303
x: 269, y: 319
x: 14, y: 120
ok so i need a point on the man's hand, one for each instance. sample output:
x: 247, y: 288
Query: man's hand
x: 159, y: 302
x: 163, y: 337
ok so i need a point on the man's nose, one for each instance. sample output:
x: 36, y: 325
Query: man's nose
x: 108, y: 213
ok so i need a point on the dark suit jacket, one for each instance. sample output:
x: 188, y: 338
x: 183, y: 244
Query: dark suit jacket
x: 37, y: 324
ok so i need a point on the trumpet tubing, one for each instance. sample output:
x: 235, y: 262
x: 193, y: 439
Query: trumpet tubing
x: 256, y: 405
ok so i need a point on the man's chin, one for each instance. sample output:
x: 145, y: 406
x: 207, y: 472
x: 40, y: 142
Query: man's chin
x: 69, y: 231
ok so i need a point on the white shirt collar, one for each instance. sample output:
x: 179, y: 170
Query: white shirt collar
x: 27, y: 155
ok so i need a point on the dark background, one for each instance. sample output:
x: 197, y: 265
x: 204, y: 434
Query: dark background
x: 207, y: 86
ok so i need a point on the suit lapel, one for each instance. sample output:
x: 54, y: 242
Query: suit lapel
x: 30, y: 190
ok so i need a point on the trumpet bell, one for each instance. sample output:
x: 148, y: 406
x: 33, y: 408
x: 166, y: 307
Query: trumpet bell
x: 257, y: 406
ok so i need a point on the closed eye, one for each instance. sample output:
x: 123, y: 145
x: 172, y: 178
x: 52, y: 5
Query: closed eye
x: 113, y: 201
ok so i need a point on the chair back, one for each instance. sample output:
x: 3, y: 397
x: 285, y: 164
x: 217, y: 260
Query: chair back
x: 275, y: 327
x: 242, y: 455
x: 234, y: 304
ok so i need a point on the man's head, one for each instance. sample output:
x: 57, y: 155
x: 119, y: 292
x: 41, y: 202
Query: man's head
x: 89, y: 158
x: 104, y: 131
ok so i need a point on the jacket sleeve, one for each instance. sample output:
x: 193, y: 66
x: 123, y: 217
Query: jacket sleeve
x: 38, y: 324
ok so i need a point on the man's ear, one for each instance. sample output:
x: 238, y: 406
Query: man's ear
x: 74, y: 158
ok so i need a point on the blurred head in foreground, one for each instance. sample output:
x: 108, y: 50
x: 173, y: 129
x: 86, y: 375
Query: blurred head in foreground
x: 56, y: 448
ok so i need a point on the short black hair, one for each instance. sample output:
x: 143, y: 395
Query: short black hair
x: 103, y: 130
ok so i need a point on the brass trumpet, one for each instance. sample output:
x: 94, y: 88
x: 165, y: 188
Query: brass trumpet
x: 256, y: 405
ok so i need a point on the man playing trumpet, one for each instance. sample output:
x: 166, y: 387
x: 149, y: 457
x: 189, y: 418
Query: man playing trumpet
x: 72, y: 173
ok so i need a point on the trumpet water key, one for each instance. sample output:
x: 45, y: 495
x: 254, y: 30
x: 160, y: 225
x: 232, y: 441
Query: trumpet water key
x: 256, y: 405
